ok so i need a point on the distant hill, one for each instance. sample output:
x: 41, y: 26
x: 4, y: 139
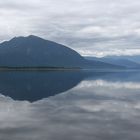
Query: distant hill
x: 117, y: 60
x: 33, y: 51
x: 134, y: 58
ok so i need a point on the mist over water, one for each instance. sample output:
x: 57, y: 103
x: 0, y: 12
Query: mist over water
x: 74, y: 105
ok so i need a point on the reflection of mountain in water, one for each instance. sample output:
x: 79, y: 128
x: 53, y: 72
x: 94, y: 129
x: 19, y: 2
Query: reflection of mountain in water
x: 33, y: 86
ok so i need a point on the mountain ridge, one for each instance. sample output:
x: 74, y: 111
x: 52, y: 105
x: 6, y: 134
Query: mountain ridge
x: 33, y: 51
x: 116, y: 60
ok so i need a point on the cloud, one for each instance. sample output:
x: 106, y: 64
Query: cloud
x: 93, y: 110
x: 92, y: 27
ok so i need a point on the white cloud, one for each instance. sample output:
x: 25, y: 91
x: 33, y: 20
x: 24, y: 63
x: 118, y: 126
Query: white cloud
x: 87, y: 26
x: 116, y: 52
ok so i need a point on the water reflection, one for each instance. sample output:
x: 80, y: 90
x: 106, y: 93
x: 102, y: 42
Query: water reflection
x: 33, y: 86
x: 102, y: 107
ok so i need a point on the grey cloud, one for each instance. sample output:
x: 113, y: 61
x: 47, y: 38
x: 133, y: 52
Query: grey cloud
x: 87, y: 26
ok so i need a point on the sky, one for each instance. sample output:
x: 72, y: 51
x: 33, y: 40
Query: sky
x: 91, y: 27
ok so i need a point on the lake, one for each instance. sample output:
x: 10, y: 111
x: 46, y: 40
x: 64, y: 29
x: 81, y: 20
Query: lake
x: 69, y: 105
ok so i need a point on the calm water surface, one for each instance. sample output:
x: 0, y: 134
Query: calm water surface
x: 74, y: 105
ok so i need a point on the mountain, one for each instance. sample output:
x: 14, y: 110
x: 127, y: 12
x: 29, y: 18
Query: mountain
x: 116, y: 60
x: 33, y: 51
x: 134, y: 58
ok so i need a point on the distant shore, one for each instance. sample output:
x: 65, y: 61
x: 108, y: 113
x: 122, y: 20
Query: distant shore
x: 38, y: 68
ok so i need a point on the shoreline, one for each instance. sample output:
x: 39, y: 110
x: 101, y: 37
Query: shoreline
x: 64, y: 69
x: 37, y: 69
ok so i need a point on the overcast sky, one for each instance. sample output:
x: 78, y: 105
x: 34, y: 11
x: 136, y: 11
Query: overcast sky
x: 91, y: 27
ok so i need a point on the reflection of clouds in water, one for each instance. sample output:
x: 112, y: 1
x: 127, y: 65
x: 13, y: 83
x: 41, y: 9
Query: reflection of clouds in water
x: 97, y: 112
x: 102, y: 89
x: 128, y: 85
